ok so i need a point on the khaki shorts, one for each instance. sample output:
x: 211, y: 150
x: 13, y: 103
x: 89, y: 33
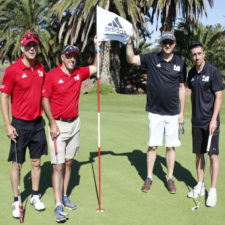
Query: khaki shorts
x: 68, y: 141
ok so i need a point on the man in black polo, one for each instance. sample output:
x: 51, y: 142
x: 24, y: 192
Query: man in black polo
x: 205, y: 82
x: 165, y: 89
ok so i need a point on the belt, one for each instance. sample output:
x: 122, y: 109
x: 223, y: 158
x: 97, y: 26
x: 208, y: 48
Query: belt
x: 67, y: 120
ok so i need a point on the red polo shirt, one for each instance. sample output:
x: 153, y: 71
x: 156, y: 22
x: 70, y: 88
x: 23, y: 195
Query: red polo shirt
x: 64, y: 91
x: 24, y: 84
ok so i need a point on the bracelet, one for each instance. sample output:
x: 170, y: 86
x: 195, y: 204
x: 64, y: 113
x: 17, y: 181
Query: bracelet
x: 98, y: 50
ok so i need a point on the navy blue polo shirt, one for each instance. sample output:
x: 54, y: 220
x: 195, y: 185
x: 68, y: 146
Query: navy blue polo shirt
x: 203, y: 86
x: 163, y: 82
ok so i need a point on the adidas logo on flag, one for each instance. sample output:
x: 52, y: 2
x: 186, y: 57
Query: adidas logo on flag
x: 40, y: 73
x: 24, y: 75
x: 60, y: 81
x: 77, y: 77
x: 115, y: 26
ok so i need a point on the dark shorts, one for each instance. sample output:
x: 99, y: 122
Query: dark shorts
x: 200, y: 140
x: 31, y: 134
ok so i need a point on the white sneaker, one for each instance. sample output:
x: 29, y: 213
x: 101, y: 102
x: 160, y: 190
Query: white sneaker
x: 212, y: 198
x: 195, y: 192
x: 15, y: 210
x: 37, y: 203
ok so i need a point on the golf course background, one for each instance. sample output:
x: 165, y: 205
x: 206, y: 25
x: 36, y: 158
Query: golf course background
x: 124, y: 132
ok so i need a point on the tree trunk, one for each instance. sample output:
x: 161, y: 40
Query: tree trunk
x: 116, y: 65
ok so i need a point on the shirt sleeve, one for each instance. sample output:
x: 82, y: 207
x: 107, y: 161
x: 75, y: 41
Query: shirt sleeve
x: 217, y: 81
x: 84, y: 72
x: 8, y: 82
x: 183, y: 74
x: 47, y: 87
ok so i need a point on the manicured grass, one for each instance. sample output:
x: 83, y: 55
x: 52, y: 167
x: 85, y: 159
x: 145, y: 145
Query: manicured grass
x: 124, y: 131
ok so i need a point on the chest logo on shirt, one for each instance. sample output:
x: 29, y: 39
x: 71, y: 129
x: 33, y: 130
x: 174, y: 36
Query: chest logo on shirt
x: 40, y: 73
x: 24, y: 76
x: 2, y: 86
x: 205, y: 78
x: 43, y: 91
x: 192, y: 79
x: 60, y: 81
x: 176, y: 68
x: 77, y: 77
x: 158, y: 65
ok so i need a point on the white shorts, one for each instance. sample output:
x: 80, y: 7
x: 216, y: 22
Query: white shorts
x: 160, y: 125
x: 68, y: 141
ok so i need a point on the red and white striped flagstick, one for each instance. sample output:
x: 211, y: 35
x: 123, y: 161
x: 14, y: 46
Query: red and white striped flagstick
x: 99, y: 145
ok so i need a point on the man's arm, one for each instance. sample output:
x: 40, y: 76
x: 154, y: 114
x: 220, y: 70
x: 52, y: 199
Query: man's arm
x: 10, y: 130
x: 216, y: 110
x: 182, y: 98
x: 131, y: 57
x: 94, y: 67
x: 54, y: 130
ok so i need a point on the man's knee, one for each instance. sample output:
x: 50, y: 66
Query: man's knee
x: 35, y: 163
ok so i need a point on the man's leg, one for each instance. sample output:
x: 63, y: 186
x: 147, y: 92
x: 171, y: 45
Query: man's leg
x: 14, y: 183
x: 14, y: 179
x: 57, y: 182
x: 67, y: 172
x: 170, y: 161
x: 199, y: 162
x: 151, y: 157
x: 35, y: 177
x: 35, y: 173
x: 214, y: 169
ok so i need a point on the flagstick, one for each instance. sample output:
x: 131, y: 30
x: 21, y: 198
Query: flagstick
x: 99, y: 146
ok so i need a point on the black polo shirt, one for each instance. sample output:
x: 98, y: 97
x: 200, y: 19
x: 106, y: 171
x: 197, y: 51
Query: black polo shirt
x: 203, y: 86
x: 163, y: 83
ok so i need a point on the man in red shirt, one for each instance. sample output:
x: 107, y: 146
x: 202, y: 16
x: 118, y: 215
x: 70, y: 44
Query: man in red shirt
x: 23, y: 82
x: 61, y: 92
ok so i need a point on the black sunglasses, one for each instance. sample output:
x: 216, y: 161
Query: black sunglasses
x: 166, y: 42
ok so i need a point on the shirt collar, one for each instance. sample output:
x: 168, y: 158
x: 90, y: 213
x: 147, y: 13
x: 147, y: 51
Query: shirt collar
x: 161, y: 59
x: 24, y: 67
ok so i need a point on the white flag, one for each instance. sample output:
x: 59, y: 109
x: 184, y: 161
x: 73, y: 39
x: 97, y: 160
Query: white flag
x: 110, y: 26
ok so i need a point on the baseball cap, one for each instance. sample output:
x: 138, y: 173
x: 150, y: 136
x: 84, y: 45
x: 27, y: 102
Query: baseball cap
x: 168, y: 35
x: 69, y: 49
x: 28, y: 37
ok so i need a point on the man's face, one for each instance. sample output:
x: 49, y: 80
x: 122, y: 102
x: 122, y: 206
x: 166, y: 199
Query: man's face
x: 69, y: 60
x: 30, y: 50
x: 168, y: 46
x: 197, y: 55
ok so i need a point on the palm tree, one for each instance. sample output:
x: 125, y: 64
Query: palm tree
x: 19, y: 17
x: 78, y: 22
x: 169, y: 9
x: 212, y: 38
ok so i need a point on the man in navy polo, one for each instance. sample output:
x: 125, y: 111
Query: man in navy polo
x: 23, y: 82
x: 166, y: 75
x: 206, y: 84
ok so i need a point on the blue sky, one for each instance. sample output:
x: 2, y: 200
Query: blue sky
x: 214, y: 15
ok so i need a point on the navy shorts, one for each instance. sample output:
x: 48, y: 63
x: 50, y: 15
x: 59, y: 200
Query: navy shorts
x: 200, y: 140
x: 31, y: 134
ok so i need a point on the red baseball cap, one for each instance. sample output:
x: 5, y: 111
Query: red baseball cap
x: 28, y: 37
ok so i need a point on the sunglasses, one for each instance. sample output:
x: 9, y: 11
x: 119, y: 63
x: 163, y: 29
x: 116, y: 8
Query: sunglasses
x: 29, y: 36
x: 71, y: 55
x: 167, y: 42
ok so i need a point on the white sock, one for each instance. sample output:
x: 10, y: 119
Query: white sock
x: 212, y: 189
x: 150, y: 177
x: 200, y: 184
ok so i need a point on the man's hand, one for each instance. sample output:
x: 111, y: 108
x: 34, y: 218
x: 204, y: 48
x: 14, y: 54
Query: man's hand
x: 181, y: 118
x: 212, y: 126
x: 54, y: 130
x: 96, y: 42
x: 11, y: 132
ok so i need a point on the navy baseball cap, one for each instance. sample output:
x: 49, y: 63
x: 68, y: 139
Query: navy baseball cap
x: 168, y: 35
x: 70, y: 48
